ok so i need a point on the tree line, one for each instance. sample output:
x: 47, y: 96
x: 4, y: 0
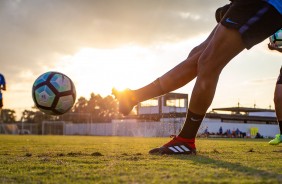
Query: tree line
x: 96, y: 109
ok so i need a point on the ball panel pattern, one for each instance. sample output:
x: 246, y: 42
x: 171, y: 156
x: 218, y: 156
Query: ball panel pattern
x: 64, y: 103
x: 44, y: 96
x: 42, y: 78
x: 61, y: 83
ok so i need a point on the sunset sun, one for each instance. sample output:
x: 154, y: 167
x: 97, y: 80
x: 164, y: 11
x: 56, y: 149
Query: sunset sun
x: 99, y: 70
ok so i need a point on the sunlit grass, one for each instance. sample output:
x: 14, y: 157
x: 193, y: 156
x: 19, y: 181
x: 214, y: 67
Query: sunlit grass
x: 85, y: 159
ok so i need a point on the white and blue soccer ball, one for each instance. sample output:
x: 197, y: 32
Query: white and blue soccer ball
x: 53, y: 93
x: 276, y: 38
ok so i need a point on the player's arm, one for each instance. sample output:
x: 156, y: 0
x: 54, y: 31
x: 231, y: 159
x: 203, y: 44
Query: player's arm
x: 271, y: 47
x: 3, y: 87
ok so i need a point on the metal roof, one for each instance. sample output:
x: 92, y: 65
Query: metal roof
x: 242, y: 109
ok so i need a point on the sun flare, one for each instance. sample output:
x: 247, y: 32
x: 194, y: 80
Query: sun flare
x: 99, y: 70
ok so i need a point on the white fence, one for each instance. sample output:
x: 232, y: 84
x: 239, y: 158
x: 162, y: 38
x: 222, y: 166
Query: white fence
x: 138, y: 129
x: 162, y: 129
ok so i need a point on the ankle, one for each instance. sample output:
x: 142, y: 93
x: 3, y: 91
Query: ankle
x: 190, y: 142
x: 187, y: 140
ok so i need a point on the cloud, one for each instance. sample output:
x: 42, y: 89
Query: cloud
x: 34, y: 33
x: 32, y: 29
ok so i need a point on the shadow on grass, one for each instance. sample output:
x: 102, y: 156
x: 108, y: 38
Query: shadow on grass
x: 237, y: 167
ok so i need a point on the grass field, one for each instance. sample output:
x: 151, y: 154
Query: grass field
x: 86, y: 159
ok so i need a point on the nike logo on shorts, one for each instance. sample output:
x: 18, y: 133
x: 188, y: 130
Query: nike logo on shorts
x: 230, y: 21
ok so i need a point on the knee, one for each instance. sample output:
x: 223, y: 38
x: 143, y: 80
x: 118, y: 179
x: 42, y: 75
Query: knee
x: 207, y: 69
x: 197, y: 50
x: 207, y: 73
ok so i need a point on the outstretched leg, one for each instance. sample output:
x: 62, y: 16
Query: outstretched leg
x: 177, y: 77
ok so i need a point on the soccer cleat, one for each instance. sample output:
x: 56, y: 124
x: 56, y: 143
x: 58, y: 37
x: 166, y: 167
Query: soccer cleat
x: 276, y: 140
x: 126, y: 100
x: 177, y: 145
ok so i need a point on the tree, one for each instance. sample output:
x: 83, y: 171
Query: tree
x: 109, y: 109
x: 35, y: 116
x: 8, y: 116
x: 80, y: 105
x: 102, y: 109
x: 96, y: 109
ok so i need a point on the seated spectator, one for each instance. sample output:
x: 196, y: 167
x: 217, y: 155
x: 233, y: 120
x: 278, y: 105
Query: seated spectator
x: 228, y: 133
x: 238, y: 133
x: 259, y: 136
x: 243, y: 134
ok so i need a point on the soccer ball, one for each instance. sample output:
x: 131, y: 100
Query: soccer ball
x: 53, y: 93
x: 276, y: 38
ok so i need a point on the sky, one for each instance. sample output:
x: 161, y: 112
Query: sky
x: 102, y: 44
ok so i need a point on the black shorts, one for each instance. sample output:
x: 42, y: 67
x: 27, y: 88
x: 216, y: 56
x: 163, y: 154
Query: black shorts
x: 279, y: 79
x: 256, y: 20
x: 1, y: 102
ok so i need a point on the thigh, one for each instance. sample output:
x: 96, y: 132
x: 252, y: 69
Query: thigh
x: 224, y: 45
